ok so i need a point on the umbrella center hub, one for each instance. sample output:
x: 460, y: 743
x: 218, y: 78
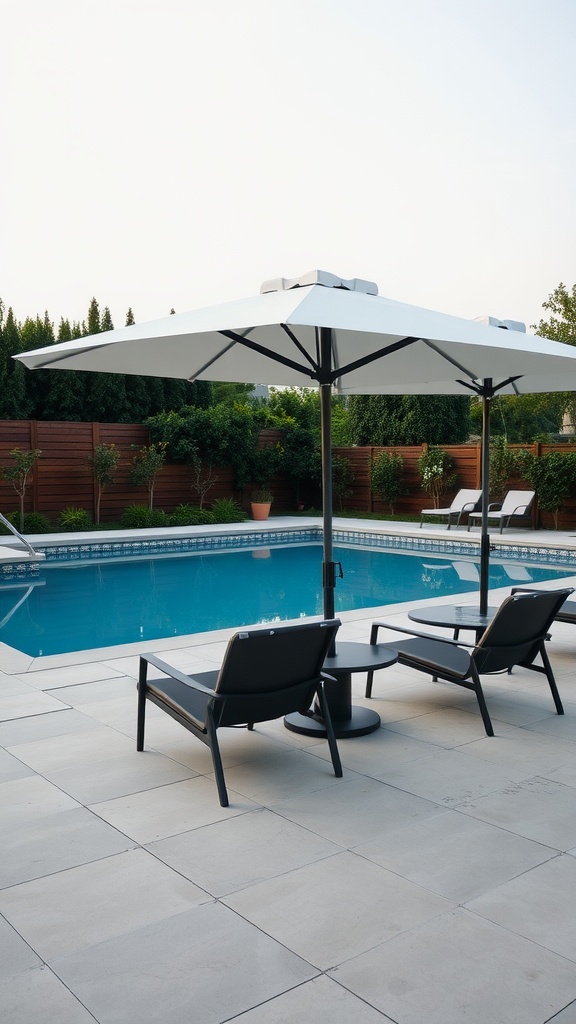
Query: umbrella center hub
x: 321, y: 277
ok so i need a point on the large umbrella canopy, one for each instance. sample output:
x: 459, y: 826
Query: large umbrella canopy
x: 274, y: 337
x: 342, y: 336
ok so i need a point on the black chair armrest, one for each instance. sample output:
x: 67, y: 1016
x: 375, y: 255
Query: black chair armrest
x: 328, y: 678
x: 175, y: 673
x: 495, y: 506
x: 416, y: 633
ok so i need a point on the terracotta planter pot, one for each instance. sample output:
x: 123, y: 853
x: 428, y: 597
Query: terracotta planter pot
x: 260, y: 510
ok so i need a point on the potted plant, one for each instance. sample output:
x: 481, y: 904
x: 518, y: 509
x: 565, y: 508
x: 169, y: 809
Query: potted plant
x: 265, y: 462
x: 261, y: 501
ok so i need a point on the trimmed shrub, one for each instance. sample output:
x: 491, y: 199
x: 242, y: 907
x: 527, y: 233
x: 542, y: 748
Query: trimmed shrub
x: 74, y: 520
x: 34, y: 522
x: 190, y: 515
x: 140, y: 517
x: 226, y: 510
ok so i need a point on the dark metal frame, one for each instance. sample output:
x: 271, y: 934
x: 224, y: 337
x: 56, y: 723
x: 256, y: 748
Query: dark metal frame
x: 516, y: 636
x: 324, y: 370
x: 253, y: 685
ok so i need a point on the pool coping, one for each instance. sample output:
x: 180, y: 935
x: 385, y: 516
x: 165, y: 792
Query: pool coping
x: 166, y: 540
x: 405, y: 535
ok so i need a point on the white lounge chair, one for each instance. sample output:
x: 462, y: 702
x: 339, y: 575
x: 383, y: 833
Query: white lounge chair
x: 516, y: 505
x: 465, y: 502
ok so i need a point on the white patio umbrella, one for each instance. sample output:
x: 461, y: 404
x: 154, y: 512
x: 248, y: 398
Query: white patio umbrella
x: 342, y: 336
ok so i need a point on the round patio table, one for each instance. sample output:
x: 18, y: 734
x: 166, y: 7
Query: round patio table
x: 454, y: 616
x: 348, y: 720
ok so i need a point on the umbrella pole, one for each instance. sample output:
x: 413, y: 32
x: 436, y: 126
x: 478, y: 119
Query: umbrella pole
x: 328, y: 573
x: 484, y: 538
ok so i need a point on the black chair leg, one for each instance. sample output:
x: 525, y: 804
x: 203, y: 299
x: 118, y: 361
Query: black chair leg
x: 141, y: 709
x: 482, y: 705
x: 333, y: 747
x: 369, y: 681
x: 216, y: 760
x: 551, y: 680
x: 370, y: 675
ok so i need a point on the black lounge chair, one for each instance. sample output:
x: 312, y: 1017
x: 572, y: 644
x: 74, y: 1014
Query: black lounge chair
x: 516, y: 635
x: 265, y: 674
x: 465, y: 502
x: 566, y: 612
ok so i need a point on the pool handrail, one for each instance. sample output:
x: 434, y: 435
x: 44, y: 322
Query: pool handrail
x: 27, y: 545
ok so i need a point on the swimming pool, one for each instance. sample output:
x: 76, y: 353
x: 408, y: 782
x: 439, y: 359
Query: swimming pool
x: 69, y: 604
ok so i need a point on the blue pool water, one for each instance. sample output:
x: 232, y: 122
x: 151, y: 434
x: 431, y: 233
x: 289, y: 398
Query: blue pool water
x: 80, y: 606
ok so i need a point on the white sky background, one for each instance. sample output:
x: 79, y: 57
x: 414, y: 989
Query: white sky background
x: 177, y: 153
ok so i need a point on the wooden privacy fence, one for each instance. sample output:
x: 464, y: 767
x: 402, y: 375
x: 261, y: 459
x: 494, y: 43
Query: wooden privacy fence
x: 62, y: 477
x: 467, y: 466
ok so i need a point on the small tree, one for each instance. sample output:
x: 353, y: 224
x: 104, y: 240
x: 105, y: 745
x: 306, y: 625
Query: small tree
x: 103, y: 463
x: 20, y: 475
x: 553, y: 477
x: 264, y: 465
x: 301, y: 459
x: 146, y: 465
x: 434, y: 465
x: 203, y: 479
x: 386, y: 478
x: 342, y: 479
x: 506, y: 464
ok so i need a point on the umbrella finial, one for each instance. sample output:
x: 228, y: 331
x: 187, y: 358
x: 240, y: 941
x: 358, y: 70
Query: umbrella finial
x: 322, y: 277
x: 508, y: 325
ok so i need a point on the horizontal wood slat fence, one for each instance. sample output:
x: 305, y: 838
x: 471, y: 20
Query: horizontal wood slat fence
x: 62, y: 477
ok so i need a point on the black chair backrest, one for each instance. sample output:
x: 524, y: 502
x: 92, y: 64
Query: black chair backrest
x: 515, y: 633
x: 270, y: 659
x: 267, y: 673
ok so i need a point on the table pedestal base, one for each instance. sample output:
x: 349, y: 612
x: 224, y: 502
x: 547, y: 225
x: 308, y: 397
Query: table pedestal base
x: 361, y: 722
x: 348, y: 721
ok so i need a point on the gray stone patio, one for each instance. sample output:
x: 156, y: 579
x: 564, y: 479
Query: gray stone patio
x: 434, y: 884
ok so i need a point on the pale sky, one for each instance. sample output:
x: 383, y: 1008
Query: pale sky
x: 177, y: 153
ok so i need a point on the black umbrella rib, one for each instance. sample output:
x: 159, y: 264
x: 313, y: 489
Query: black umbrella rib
x: 211, y: 362
x: 449, y: 359
x: 475, y: 384
x: 300, y: 346
x: 396, y: 346
x: 481, y: 388
x: 275, y: 356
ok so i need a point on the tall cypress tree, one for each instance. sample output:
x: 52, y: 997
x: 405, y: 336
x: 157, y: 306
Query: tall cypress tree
x: 137, y: 390
x: 66, y: 398
x: 15, y: 401
x: 106, y: 400
x: 76, y: 395
x: 38, y: 333
x: 93, y: 321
